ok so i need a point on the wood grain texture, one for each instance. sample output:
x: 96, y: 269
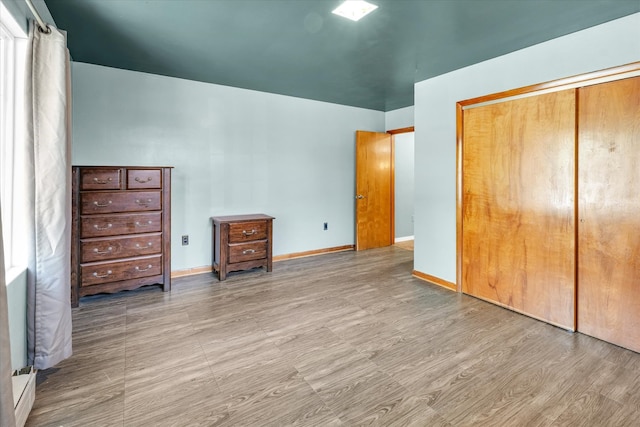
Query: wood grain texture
x: 144, y: 178
x: 241, y: 242
x: 248, y: 251
x: 314, y: 252
x: 166, y: 229
x: 573, y: 82
x: 110, y: 271
x: 191, y: 271
x: 114, y: 229
x: 518, y: 189
x: 247, y: 231
x: 408, y: 129
x: 609, y: 203
x: 347, y: 339
x: 459, y: 193
x: 392, y: 196
x: 116, y: 224
x: 434, y: 280
x: 100, y: 179
x: 105, y: 248
x: 109, y: 202
x: 374, y: 183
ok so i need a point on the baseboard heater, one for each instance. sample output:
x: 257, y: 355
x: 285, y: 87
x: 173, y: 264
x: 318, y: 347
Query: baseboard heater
x: 24, y: 393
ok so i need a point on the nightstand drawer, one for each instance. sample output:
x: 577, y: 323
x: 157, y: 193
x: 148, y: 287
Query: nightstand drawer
x: 105, y: 272
x: 106, y: 248
x: 112, y: 225
x: 247, y: 231
x: 100, y: 179
x: 247, y: 251
x: 143, y: 178
x: 107, y: 202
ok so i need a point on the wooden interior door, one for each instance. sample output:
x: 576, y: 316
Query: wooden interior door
x: 374, y: 190
x: 518, y: 205
x: 609, y: 212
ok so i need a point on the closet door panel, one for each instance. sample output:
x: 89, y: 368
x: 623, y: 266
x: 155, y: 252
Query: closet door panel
x: 518, y: 213
x: 609, y: 212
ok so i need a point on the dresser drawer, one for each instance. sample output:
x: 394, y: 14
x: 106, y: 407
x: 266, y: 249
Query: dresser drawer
x: 105, y: 248
x: 247, y: 251
x: 113, y: 225
x: 107, y: 202
x: 100, y: 179
x: 104, y: 272
x: 143, y: 178
x: 247, y: 231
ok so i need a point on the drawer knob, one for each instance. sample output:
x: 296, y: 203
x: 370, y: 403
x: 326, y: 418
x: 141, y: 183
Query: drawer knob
x: 143, y: 180
x: 138, y: 246
x: 143, y: 269
x: 102, y: 205
x: 249, y: 233
x: 102, y: 181
x: 143, y: 224
x: 107, y: 274
x: 108, y: 251
x: 248, y: 251
x: 143, y: 202
x: 97, y: 227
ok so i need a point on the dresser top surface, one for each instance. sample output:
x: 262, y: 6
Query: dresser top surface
x: 240, y: 218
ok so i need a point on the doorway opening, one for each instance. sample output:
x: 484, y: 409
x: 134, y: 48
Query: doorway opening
x: 376, y: 168
x: 404, y: 145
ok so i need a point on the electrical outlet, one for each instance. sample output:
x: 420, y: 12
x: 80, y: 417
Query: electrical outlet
x: 185, y: 240
x: 326, y: 226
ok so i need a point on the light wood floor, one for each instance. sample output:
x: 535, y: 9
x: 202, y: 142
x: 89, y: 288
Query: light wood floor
x: 342, y: 339
x: 407, y: 244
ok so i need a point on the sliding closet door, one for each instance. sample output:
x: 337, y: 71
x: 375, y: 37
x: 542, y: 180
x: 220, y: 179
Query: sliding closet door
x: 609, y: 212
x: 518, y: 186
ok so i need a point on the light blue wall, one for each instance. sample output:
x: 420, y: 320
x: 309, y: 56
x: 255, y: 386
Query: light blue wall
x: 234, y: 151
x: 400, y: 118
x: 608, y: 45
x: 17, y: 302
x: 404, y: 184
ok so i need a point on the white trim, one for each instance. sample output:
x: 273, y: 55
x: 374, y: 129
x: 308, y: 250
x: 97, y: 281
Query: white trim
x: 11, y: 25
x: 13, y: 45
x: 12, y: 273
x: 403, y: 239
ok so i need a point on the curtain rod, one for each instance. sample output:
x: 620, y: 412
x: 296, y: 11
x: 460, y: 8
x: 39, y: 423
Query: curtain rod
x: 43, y: 26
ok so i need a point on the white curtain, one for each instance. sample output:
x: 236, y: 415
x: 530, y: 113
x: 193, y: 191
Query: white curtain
x: 48, y: 198
x: 7, y: 415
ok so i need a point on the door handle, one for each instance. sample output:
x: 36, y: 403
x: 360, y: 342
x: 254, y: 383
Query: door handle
x: 359, y: 196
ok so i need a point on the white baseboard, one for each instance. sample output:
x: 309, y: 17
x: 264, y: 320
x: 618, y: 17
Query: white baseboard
x: 403, y: 239
x: 24, y: 393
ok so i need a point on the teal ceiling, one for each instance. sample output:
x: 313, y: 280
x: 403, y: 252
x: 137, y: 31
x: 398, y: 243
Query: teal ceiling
x: 299, y: 48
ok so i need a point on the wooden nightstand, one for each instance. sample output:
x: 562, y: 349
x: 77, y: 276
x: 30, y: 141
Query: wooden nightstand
x: 241, y: 242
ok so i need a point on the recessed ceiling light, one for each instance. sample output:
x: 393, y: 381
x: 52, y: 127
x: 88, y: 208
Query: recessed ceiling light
x: 354, y: 9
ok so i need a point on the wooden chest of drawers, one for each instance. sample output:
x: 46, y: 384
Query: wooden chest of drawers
x: 121, y: 230
x: 241, y: 242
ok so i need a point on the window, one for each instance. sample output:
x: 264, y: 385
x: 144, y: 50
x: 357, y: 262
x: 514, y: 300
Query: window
x: 13, y: 42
